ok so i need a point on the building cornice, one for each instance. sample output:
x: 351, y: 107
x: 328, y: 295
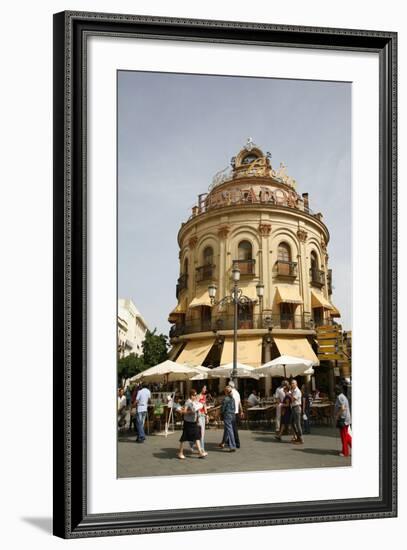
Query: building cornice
x: 235, y: 209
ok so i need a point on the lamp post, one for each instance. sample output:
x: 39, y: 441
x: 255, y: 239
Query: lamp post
x: 236, y: 298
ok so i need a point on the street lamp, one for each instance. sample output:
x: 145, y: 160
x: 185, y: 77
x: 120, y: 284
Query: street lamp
x: 236, y: 298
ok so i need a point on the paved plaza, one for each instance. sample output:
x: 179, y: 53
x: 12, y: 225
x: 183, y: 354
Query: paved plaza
x: 259, y: 451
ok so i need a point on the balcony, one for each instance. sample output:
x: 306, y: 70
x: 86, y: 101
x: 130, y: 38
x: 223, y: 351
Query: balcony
x: 205, y: 273
x: 329, y: 281
x: 182, y: 284
x: 246, y: 267
x: 286, y: 270
x: 317, y: 277
x: 258, y: 321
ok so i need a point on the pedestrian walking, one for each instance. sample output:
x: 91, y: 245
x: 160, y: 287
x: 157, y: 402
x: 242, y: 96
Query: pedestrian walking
x: 142, y: 400
x: 228, y: 415
x: 306, y: 408
x: 133, y: 409
x: 343, y: 420
x: 202, y: 415
x: 191, y: 430
x: 280, y: 394
x: 238, y: 413
x: 285, y: 416
x: 296, y: 408
x: 121, y: 409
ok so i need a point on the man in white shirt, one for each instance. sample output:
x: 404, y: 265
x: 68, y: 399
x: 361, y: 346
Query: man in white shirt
x: 238, y: 413
x: 279, y: 395
x: 142, y: 400
x: 296, y: 408
x: 253, y: 399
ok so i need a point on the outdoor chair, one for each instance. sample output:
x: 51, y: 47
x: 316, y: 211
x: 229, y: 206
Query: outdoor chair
x: 214, y: 418
x: 314, y: 417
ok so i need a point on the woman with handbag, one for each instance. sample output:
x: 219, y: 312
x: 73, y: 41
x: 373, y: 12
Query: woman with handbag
x: 343, y: 420
x: 191, y: 430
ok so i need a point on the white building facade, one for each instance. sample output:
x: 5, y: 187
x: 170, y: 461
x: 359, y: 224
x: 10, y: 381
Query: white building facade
x: 131, y: 328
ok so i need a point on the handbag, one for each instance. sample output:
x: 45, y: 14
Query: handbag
x: 340, y: 423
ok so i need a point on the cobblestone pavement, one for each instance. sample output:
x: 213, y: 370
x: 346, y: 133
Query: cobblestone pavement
x: 259, y: 451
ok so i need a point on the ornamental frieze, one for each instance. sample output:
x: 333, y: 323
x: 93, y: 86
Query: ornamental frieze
x: 250, y: 195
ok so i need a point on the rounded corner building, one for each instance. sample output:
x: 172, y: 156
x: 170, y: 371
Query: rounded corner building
x: 253, y: 218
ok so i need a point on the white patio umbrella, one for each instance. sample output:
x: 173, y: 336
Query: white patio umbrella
x: 225, y: 371
x: 287, y: 365
x: 203, y: 372
x: 168, y: 371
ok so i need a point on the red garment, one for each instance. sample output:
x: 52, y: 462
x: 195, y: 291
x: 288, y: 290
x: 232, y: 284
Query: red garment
x: 346, y: 440
x: 202, y: 401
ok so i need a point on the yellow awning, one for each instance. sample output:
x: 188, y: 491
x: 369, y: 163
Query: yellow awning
x: 334, y: 312
x: 288, y: 294
x: 250, y: 292
x: 319, y: 300
x: 195, y: 352
x: 201, y: 299
x: 175, y: 350
x: 296, y: 347
x: 248, y: 351
x: 179, y: 309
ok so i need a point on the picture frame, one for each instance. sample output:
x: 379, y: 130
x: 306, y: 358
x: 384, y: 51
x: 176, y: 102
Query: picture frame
x: 71, y: 516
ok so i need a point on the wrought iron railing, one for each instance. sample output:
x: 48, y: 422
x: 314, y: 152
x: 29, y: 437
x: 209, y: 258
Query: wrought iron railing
x: 317, y: 277
x: 286, y: 269
x: 205, y: 272
x: 256, y: 321
x: 182, y: 283
x: 246, y: 267
x: 329, y: 281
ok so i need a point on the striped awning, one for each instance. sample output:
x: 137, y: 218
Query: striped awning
x: 195, y: 352
x: 249, y: 350
x: 174, y: 351
x: 179, y: 309
x: 250, y: 291
x: 319, y: 300
x: 334, y: 312
x: 296, y: 347
x: 201, y: 299
x: 288, y: 294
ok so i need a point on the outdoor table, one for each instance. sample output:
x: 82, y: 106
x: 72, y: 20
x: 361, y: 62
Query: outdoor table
x: 261, y: 411
x: 320, y: 409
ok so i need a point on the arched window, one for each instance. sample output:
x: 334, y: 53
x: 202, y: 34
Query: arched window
x: 317, y: 276
x: 284, y: 253
x: 183, y: 278
x: 314, y: 261
x: 208, y: 255
x: 245, y: 251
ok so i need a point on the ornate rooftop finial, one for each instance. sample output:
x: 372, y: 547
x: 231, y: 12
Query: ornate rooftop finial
x: 250, y: 144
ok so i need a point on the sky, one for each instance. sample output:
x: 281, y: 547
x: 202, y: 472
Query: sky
x: 175, y: 131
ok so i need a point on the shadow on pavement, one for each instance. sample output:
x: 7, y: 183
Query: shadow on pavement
x: 331, y: 452
x: 272, y: 439
x: 167, y: 452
